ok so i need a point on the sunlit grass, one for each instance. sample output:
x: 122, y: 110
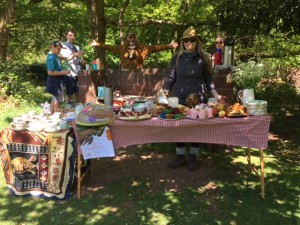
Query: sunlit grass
x: 228, y: 195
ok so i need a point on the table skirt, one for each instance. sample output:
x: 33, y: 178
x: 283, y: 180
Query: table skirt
x: 38, y: 164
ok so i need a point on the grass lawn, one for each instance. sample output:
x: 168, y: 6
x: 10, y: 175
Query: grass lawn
x: 136, y: 187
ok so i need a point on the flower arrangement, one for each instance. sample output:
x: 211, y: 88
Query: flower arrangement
x: 248, y: 75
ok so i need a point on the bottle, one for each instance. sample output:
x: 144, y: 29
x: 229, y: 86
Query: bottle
x: 218, y: 57
x: 108, y: 95
x: 94, y: 65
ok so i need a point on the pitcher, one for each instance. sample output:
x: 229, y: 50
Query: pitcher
x: 246, y: 95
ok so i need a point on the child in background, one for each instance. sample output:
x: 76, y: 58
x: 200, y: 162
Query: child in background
x: 55, y: 78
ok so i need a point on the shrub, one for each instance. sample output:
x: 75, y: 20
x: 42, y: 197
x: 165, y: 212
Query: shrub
x: 17, y: 83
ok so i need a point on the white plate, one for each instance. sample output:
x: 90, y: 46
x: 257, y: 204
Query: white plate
x: 199, y: 118
x: 35, y: 129
x: 52, y: 130
x: 169, y: 119
x: 13, y: 128
x: 135, y: 118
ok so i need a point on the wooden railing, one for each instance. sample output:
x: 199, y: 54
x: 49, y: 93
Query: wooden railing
x: 146, y: 82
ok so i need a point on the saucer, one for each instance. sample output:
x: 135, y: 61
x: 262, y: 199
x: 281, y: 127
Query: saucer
x: 35, y: 129
x: 49, y: 130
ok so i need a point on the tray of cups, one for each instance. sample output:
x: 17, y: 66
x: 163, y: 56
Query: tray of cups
x: 17, y: 127
x: 170, y: 116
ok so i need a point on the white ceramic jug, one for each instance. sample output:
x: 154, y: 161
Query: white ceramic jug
x: 246, y: 95
x: 173, y: 102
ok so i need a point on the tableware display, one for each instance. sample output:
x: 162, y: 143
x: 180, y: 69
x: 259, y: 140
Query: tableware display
x: 135, y: 117
x: 139, y: 107
x: 17, y: 120
x: 212, y: 100
x: 35, y: 129
x: 173, y: 102
x: 202, y: 114
x: 17, y: 126
x: 246, y: 95
x: 193, y: 113
x: 257, y: 107
x: 52, y: 129
x: 35, y: 126
x: 63, y: 124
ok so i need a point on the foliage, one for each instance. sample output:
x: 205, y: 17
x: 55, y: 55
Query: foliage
x: 248, y: 75
x: 19, y: 84
x: 279, y: 86
x: 245, y: 18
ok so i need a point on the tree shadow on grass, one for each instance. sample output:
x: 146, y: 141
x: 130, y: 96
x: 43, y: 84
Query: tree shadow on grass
x: 137, y: 187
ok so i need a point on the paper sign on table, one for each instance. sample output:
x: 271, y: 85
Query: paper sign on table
x: 99, y: 145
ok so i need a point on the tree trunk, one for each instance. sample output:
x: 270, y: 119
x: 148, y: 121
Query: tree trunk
x: 7, y: 9
x: 97, y: 24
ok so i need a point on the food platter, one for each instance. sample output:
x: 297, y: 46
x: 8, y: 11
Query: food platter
x: 236, y: 115
x: 135, y: 118
x: 188, y: 117
x: 170, y: 119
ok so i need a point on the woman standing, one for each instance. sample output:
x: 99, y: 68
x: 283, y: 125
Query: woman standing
x: 190, y: 73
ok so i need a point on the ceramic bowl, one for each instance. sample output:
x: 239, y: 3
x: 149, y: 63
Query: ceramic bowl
x: 139, y: 107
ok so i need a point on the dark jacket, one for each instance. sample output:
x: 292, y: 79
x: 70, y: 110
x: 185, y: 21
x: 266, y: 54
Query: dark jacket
x: 189, y: 74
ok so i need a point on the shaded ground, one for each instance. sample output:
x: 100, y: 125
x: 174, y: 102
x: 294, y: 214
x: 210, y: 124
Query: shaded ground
x: 137, y: 163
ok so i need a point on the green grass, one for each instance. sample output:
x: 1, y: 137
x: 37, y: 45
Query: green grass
x: 222, y: 193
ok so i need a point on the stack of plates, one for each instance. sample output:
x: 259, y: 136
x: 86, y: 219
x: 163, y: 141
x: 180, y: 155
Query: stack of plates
x: 257, y: 107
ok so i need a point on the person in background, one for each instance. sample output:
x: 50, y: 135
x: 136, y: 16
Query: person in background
x: 132, y: 53
x: 219, y: 43
x: 73, y: 55
x: 190, y: 72
x: 55, y: 78
x: 219, y: 50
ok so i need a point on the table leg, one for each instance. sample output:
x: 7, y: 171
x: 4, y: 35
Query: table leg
x: 78, y: 174
x: 92, y: 168
x: 262, y: 172
x: 249, y: 160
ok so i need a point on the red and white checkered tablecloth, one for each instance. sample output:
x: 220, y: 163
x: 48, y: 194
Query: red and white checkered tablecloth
x: 250, y: 131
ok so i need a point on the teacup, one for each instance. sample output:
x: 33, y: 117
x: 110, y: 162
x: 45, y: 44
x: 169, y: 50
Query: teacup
x: 209, y: 112
x: 202, y: 114
x: 51, y: 127
x: 193, y: 113
x: 63, y: 124
x: 17, y: 120
x: 19, y: 125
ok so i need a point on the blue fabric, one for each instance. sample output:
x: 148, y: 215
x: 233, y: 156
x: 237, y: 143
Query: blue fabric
x: 189, y: 74
x: 53, y: 85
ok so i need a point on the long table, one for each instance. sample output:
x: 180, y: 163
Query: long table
x: 250, y: 132
x: 47, y: 148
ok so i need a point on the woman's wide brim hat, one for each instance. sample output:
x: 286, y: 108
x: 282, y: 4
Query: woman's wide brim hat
x: 189, y: 33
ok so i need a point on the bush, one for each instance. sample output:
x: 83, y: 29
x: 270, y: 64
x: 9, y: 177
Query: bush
x: 18, y: 84
x: 39, y: 71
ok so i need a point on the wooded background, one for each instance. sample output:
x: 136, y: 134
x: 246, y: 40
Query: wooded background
x: 261, y: 28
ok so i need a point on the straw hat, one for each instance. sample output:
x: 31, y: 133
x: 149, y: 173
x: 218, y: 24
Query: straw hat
x: 189, y: 33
